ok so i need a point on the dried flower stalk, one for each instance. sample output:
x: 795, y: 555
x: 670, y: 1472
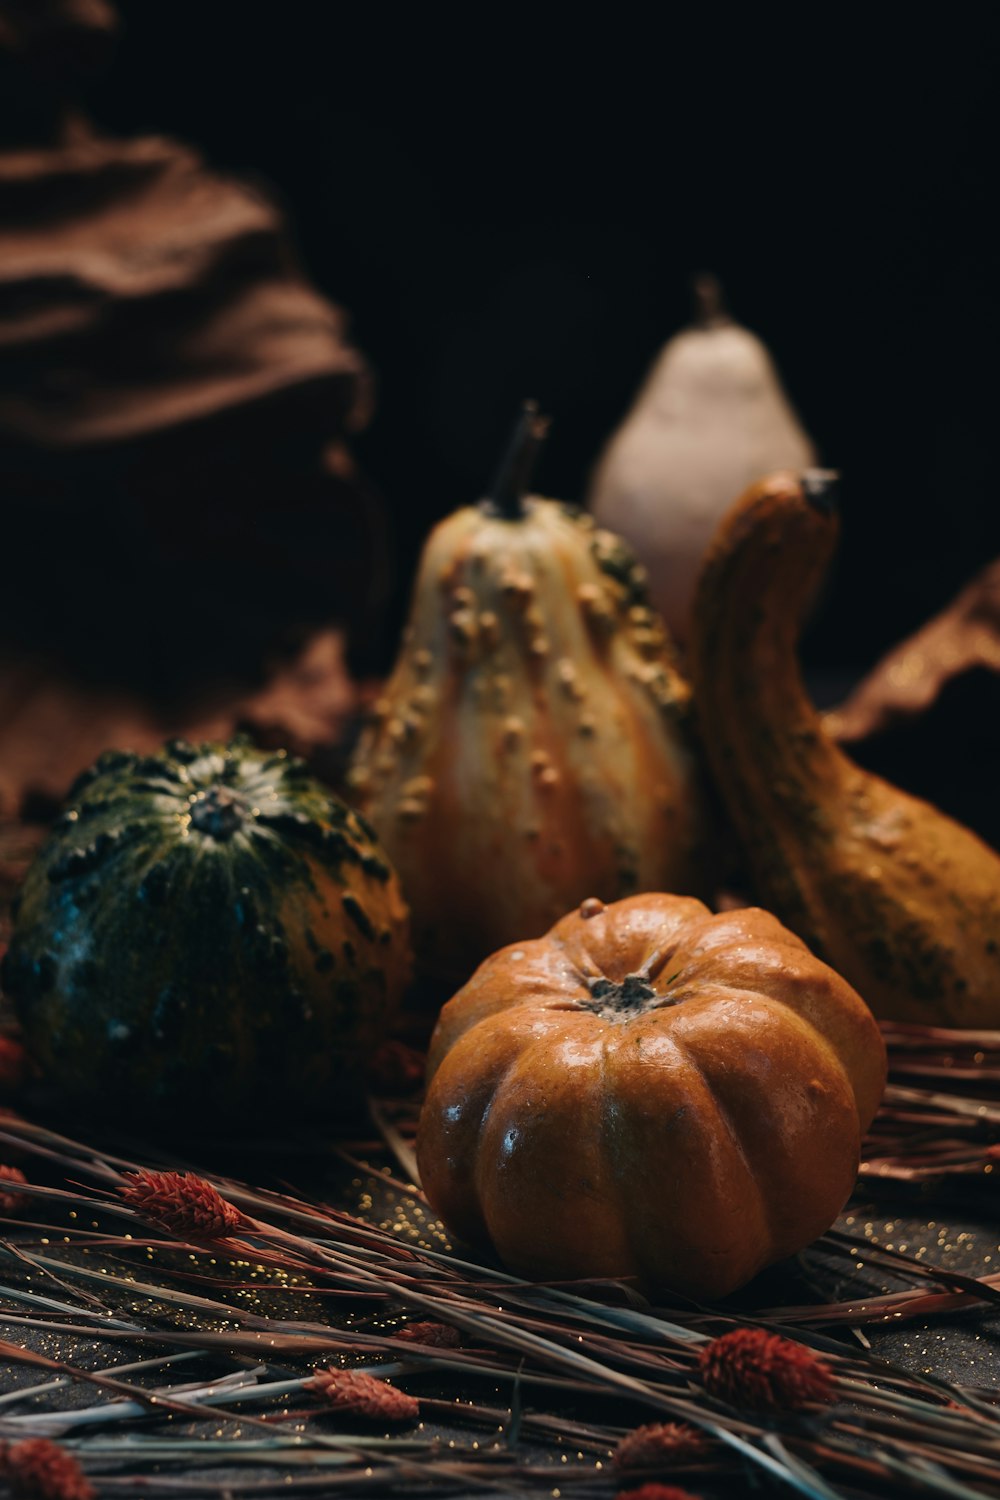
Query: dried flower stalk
x: 658, y: 1444
x: 363, y: 1396
x: 653, y: 1491
x: 182, y: 1203
x: 38, y: 1469
x: 11, y: 1201
x: 758, y: 1371
x: 13, y: 1065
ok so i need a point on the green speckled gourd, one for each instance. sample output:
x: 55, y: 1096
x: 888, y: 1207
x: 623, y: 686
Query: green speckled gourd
x: 207, y: 924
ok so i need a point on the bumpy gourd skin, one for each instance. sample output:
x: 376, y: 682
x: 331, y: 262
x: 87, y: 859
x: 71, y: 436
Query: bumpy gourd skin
x: 533, y: 745
x: 652, y: 1091
x: 900, y: 899
x: 206, y: 926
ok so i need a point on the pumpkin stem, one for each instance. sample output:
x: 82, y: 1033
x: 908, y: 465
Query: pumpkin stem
x: 220, y: 812
x: 709, y: 301
x: 510, y: 486
x: 622, y: 1000
x: 820, y: 488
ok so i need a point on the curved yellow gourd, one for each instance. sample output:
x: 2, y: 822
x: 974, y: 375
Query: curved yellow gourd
x: 900, y: 899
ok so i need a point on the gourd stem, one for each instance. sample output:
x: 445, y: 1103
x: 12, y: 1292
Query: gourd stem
x: 510, y: 486
x: 820, y: 488
x: 709, y: 301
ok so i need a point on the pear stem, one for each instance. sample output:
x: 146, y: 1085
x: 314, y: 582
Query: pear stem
x: 709, y: 301
x: 510, y: 486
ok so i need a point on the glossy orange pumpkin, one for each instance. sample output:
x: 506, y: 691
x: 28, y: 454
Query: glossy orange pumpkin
x: 649, y: 1090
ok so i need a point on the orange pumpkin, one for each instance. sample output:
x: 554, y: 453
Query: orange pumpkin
x: 649, y: 1090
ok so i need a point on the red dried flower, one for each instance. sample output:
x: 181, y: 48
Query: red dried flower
x: 760, y: 1371
x: 659, y: 1443
x: 654, y: 1491
x: 13, y: 1065
x: 181, y: 1203
x: 38, y: 1469
x: 434, y: 1335
x: 11, y: 1203
x: 363, y: 1395
x: 396, y: 1069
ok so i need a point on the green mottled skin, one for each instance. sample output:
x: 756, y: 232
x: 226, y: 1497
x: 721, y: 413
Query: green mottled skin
x: 208, y: 926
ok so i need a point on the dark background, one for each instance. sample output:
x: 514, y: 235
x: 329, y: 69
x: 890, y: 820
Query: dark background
x: 510, y: 202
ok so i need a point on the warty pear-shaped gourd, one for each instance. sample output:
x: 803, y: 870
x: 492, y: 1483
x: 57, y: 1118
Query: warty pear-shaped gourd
x: 532, y: 746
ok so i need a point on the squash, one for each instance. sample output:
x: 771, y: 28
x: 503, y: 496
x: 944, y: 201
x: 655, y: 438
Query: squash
x: 901, y: 900
x: 533, y: 742
x: 710, y: 419
x: 649, y: 1090
x: 206, y: 923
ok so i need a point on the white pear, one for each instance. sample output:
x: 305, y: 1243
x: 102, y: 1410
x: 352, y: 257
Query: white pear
x: 711, y: 418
